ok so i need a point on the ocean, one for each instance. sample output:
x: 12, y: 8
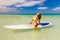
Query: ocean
x: 49, y: 33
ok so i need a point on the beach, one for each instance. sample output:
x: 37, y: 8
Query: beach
x: 49, y: 33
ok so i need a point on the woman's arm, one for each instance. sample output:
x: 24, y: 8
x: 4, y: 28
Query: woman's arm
x: 30, y: 22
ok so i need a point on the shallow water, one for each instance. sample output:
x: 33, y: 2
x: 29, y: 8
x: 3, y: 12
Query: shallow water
x: 49, y: 33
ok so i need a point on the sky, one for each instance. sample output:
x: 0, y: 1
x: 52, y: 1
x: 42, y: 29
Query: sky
x: 29, y: 6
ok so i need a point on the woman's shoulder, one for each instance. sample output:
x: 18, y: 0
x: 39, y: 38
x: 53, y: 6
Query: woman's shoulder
x: 35, y: 16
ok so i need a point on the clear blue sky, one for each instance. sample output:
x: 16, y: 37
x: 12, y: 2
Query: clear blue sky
x: 29, y: 6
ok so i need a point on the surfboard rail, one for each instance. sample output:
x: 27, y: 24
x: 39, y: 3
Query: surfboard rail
x: 25, y: 26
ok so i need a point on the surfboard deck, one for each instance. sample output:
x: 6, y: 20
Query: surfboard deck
x: 27, y: 26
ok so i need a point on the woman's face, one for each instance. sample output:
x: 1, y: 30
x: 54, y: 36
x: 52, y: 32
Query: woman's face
x: 38, y: 14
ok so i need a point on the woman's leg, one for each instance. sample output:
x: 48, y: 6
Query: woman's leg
x: 35, y: 25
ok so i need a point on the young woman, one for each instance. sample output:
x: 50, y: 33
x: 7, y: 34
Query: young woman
x: 36, y: 20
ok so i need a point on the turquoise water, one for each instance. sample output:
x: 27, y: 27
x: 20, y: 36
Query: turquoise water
x: 50, y: 33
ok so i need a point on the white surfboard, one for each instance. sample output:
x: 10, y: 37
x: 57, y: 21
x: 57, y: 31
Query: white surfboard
x: 27, y: 26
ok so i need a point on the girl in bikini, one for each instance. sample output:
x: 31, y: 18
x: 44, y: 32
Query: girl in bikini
x: 36, y: 20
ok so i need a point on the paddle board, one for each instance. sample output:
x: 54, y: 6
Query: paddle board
x: 27, y: 26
